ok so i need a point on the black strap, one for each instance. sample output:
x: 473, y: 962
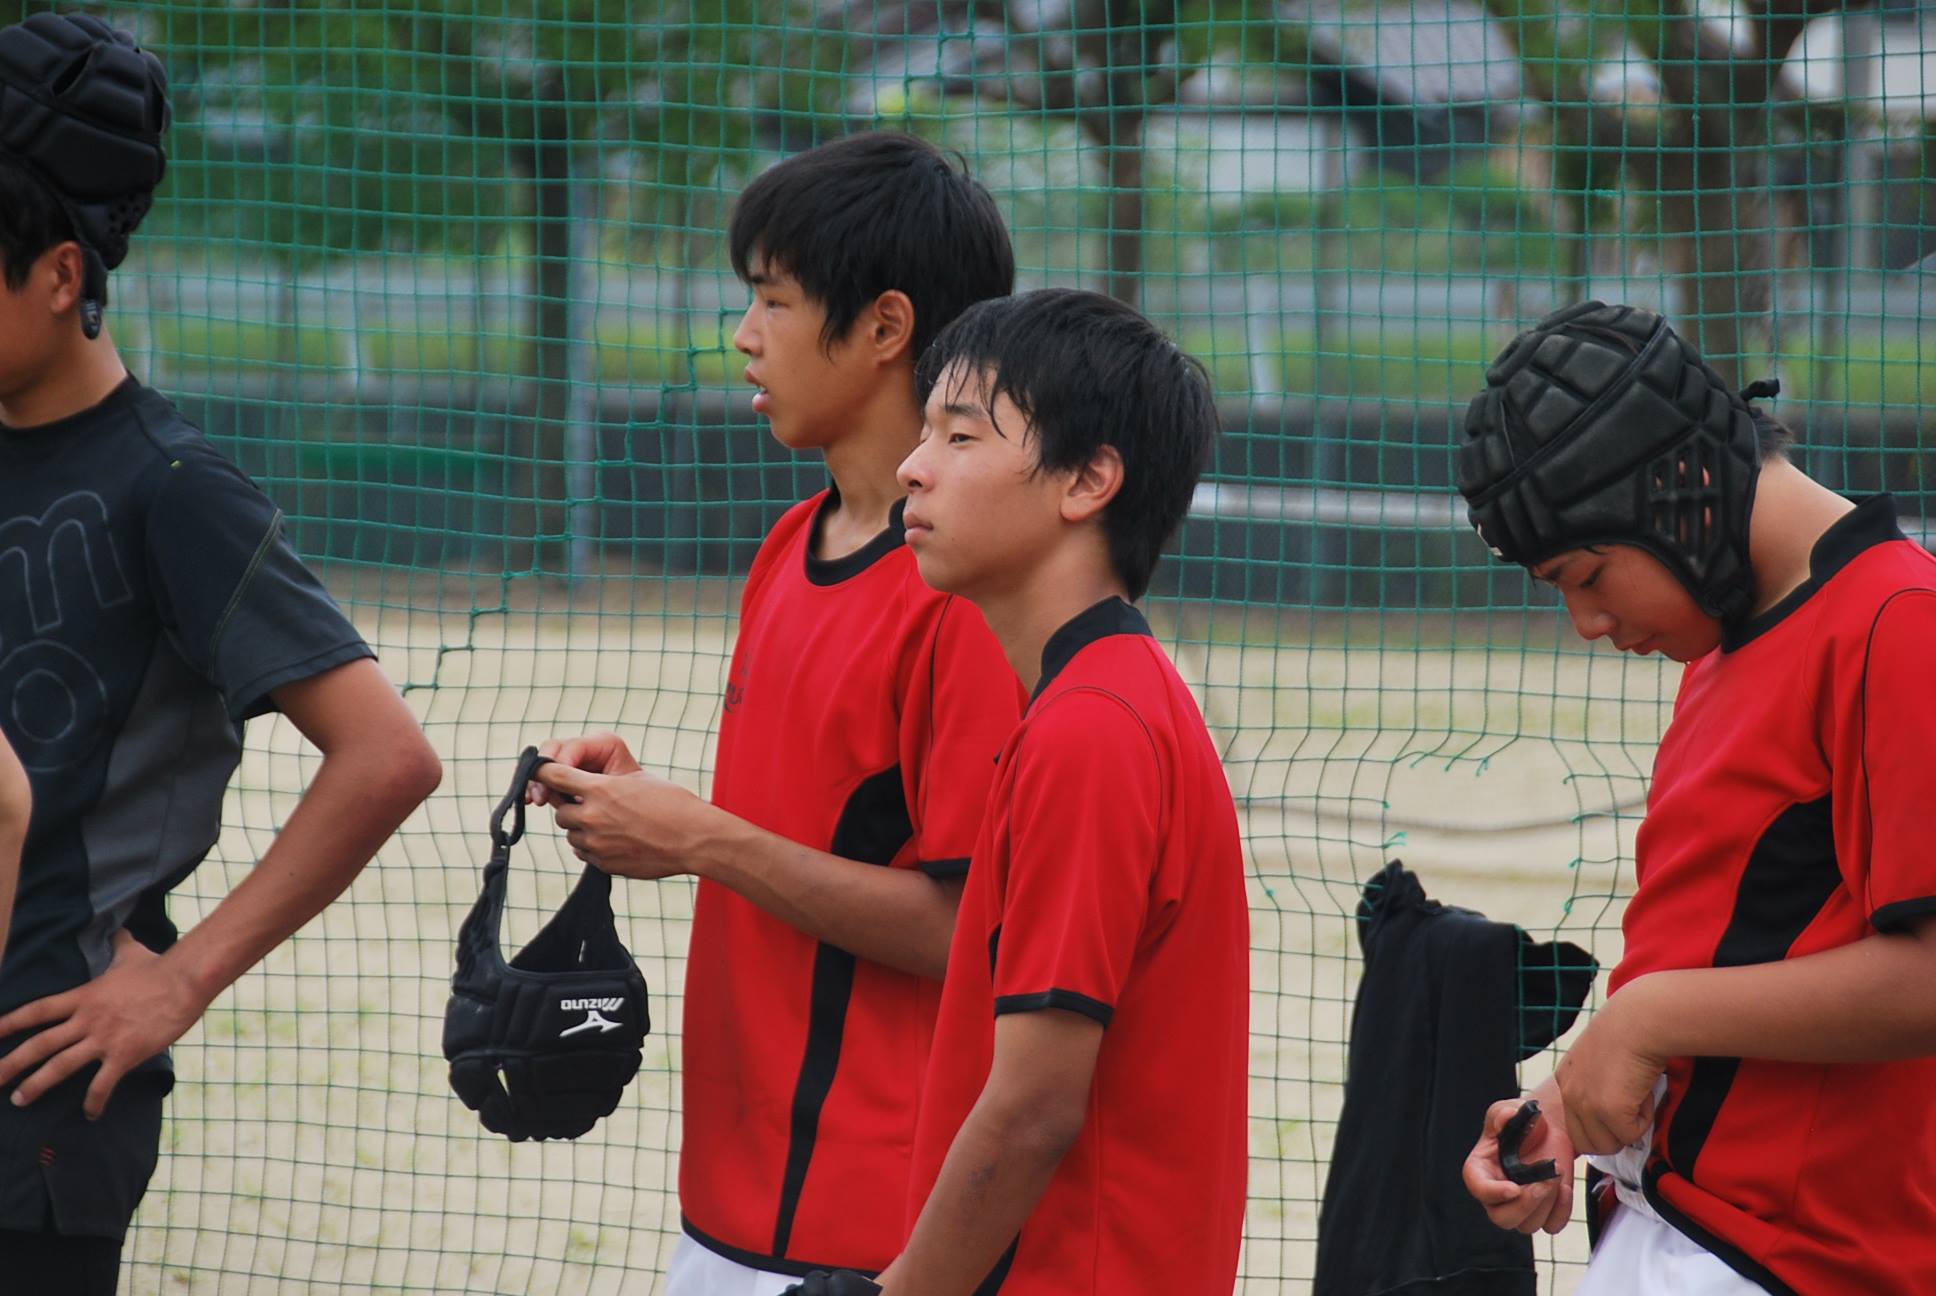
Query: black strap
x: 513, y: 802
x: 478, y: 937
x: 587, y: 908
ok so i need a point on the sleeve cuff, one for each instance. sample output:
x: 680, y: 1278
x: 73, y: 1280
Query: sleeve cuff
x: 1903, y: 914
x: 1068, y: 1000
x: 252, y: 699
x: 943, y: 869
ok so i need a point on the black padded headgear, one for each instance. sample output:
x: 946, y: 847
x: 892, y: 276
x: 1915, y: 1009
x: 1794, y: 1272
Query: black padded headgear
x: 84, y: 108
x: 1601, y: 425
x: 543, y: 1046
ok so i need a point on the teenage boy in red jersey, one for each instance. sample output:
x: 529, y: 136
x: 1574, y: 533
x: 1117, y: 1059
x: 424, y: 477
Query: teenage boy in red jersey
x: 1758, y: 1088
x: 862, y: 717
x: 149, y: 605
x: 1083, y: 1121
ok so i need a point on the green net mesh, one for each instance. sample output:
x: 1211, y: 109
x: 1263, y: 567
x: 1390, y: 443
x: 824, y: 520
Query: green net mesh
x: 448, y: 278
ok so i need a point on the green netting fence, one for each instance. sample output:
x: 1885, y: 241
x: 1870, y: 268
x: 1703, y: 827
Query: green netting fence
x: 448, y: 278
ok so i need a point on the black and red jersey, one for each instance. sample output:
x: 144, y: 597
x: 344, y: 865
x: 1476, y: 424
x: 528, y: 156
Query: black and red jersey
x: 1790, y: 813
x: 863, y: 715
x: 1108, y: 880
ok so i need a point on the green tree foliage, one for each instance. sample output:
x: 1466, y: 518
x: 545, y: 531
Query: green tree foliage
x: 1700, y: 152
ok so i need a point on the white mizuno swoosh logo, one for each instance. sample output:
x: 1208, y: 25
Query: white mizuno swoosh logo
x: 594, y: 1020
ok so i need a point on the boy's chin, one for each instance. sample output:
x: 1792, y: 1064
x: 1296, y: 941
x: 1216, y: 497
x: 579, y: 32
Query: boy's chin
x: 791, y: 437
x: 793, y: 434
x: 934, y: 572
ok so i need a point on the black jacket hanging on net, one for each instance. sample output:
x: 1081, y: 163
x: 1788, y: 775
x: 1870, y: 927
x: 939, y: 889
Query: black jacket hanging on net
x: 1449, y: 1003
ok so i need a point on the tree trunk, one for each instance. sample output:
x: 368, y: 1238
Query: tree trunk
x: 537, y: 522
x: 1124, y: 154
x: 1715, y: 196
x: 1715, y: 212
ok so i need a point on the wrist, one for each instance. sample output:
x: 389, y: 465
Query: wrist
x: 1634, y: 1015
x: 717, y: 844
x: 199, y: 977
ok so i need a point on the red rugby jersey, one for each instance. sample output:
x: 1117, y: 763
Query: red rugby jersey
x: 1790, y: 813
x: 863, y: 715
x: 1108, y: 880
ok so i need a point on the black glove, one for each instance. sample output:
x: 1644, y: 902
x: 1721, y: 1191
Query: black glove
x: 543, y: 1047
x: 841, y: 1282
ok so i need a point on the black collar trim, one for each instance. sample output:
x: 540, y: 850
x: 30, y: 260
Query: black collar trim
x: 1110, y: 617
x: 832, y: 571
x: 1872, y: 522
x: 113, y: 403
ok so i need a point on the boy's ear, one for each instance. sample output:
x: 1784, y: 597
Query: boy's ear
x: 1092, y: 486
x: 889, y: 326
x: 65, y: 268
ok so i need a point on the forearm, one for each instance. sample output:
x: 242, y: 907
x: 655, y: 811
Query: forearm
x: 13, y: 840
x: 899, y: 917
x: 16, y: 808
x: 1860, y: 1003
x: 355, y: 802
x: 994, y: 1176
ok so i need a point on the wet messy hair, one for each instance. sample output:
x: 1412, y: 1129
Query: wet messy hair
x: 1086, y: 371
x: 871, y: 213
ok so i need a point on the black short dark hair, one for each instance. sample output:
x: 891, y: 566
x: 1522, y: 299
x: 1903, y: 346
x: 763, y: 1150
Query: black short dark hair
x: 1088, y: 372
x: 871, y: 213
x: 31, y: 221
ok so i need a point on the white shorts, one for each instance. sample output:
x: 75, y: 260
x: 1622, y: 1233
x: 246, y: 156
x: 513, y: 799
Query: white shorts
x: 696, y: 1271
x: 1641, y: 1253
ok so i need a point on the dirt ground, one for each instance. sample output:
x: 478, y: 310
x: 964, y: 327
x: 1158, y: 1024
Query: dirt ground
x: 313, y: 1145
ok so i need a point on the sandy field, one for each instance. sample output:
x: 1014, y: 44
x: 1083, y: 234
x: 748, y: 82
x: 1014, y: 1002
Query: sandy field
x: 314, y: 1147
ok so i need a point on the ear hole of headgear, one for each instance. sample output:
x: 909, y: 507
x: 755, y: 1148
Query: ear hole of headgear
x: 1682, y: 499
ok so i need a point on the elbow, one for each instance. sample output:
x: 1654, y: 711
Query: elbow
x: 933, y: 956
x: 938, y: 927
x: 420, y: 771
x: 1051, y: 1134
x: 1043, y: 1127
x: 16, y: 808
x: 16, y: 793
x: 402, y: 770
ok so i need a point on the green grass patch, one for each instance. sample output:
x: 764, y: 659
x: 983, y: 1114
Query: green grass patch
x: 638, y: 354
x: 229, y: 344
x: 1360, y: 361
x: 1443, y: 368
x: 633, y: 354
x: 1874, y: 372
x: 394, y: 465
x: 443, y: 353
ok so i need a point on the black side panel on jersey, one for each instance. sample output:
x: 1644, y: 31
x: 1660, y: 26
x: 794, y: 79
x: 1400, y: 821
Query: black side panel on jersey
x: 999, y: 1274
x: 1790, y: 876
x: 873, y: 827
